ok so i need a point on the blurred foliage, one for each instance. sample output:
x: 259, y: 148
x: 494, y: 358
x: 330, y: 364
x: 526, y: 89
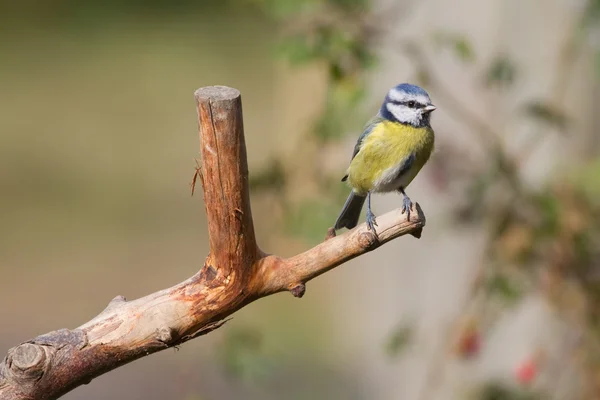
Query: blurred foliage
x: 335, y: 34
x: 342, y: 98
x: 591, y: 25
x: 537, y: 237
x: 505, y: 286
x: 399, y: 340
x: 272, y: 176
x: 502, y: 391
x: 547, y: 113
x: 86, y: 13
x: 540, y: 238
x: 309, y: 217
x: 592, y: 13
x: 501, y: 72
x: 459, y: 44
x: 338, y: 36
x: 240, y: 354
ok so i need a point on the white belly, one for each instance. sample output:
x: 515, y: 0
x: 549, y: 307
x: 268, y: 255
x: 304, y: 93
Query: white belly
x: 391, y: 179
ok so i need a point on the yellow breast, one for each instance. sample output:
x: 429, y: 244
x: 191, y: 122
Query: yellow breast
x: 387, y: 145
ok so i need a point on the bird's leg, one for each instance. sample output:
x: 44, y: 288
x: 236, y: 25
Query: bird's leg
x: 407, y: 205
x: 371, y: 223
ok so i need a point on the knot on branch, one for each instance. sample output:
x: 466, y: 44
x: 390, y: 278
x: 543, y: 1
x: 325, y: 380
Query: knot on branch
x: 28, y: 362
x: 298, y: 290
x: 166, y: 335
x: 368, y: 240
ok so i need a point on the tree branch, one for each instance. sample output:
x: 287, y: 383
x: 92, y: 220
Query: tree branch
x: 235, y: 273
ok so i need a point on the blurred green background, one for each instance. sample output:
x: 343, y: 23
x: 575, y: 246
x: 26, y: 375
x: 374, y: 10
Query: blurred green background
x: 498, y: 300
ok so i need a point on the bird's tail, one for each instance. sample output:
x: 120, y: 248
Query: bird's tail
x: 351, y: 212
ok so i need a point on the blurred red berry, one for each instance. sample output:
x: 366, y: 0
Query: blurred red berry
x: 469, y: 343
x: 526, y: 372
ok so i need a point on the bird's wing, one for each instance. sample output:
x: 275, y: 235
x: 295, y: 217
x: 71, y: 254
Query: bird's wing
x: 366, y: 130
x: 406, y: 164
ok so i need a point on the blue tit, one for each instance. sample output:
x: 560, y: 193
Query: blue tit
x: 392, y: 149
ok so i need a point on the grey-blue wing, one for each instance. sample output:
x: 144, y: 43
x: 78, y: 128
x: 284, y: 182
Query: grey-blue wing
x: 366, y: 130
x: 406, y: 164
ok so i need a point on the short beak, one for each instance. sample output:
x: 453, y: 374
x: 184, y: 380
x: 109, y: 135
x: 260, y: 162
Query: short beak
x: 429, y: 108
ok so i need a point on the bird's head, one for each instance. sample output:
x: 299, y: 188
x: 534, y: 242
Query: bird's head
x: 407, y: 104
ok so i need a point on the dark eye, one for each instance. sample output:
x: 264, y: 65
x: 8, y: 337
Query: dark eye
x: 411, y: 104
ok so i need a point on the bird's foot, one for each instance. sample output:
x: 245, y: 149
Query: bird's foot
x: 407, y: 207
x: 371, y: 223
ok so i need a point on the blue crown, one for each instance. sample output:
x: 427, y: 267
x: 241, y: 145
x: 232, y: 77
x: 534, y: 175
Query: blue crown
x: 411, y: 89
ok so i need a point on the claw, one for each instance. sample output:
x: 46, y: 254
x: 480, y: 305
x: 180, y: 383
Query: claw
x: 407, y: 207
x: 371, y: 222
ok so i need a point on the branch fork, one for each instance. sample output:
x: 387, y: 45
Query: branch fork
x: 235, y: 273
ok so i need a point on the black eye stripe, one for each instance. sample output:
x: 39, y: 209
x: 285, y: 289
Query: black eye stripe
x: 409, y: 103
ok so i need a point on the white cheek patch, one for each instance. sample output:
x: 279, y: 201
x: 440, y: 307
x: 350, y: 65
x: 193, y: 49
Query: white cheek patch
x: 404, y: 114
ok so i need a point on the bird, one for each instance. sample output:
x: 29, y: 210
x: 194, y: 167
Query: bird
x: 390, y: 152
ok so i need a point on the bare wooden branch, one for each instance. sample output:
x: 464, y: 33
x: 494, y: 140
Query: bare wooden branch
x: 235, y: 273
x: 275, y: 274
x: 225, y: 181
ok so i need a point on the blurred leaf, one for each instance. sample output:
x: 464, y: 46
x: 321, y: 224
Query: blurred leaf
x: 296, y: 49
x: 471, y: 206
x: 346, y: 54
x: 340, y: 113
x: 350, y: 5
x: 501, y: 391
x: 292, y: 8
x: 592, y: 13
x: 501, y: 72
x: 341, y: 42
x: 463, y: 49
x: 240, y: 354
x: 515, y: 242
x: 366, y: 57
x: 457, y: 43
x: 549, y: 208
x: 398, y: 340
x: 281, y: 9
x: 546, y: 113
x: 311, y: 219
x: 272, y: 176
x: 587, y: 180
x: 501, y: 285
